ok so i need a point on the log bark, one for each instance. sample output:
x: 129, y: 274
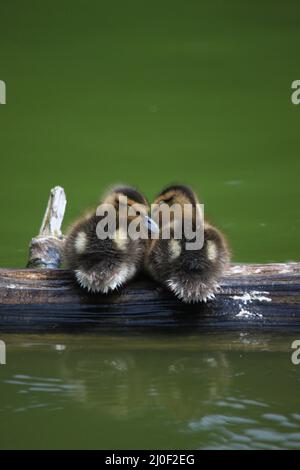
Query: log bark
x: 263, y: 297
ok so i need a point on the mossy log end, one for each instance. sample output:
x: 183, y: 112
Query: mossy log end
x: 251, y: 297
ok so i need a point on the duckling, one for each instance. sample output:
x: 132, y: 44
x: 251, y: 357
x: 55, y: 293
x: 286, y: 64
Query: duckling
x: 191, y: 274
x: 106, y: 263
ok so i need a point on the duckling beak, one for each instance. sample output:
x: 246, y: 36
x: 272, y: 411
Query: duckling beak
x: 150, y: 224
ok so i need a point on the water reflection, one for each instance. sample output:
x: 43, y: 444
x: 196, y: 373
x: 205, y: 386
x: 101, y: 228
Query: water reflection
x: 122, y: 384
x: 160, y: 397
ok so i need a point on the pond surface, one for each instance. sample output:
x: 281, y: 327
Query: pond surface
x: 148, y: 93
x: 234, y: 391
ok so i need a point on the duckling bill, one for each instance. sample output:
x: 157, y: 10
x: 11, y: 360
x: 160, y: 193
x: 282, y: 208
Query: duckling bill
x: 103, y: 265
x: 191, y: 274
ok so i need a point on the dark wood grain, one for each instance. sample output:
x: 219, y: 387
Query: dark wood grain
x: 264, y: 297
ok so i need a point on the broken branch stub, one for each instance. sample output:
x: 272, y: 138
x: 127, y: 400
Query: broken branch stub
x: 45, y: 250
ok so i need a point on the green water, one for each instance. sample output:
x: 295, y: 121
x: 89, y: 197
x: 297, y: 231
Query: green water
x: 148, y: 93
x: 162, y: 392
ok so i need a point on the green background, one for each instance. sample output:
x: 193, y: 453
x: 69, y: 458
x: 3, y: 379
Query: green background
x: 149, y: 93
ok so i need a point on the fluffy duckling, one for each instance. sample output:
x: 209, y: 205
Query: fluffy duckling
x: 191, y: 274
x: 103, y: 265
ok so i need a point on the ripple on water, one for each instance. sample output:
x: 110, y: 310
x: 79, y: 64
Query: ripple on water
x: 235, y: 429
x: 212, y: 421
x: 32, y: 388
x: 40, y: 384
x: 280, y: 419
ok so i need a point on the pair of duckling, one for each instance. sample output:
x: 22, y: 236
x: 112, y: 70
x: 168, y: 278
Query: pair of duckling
x: 104, y: 265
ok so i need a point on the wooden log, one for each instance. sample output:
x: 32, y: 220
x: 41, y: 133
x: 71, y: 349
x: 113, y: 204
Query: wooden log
x: 264, y: 297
